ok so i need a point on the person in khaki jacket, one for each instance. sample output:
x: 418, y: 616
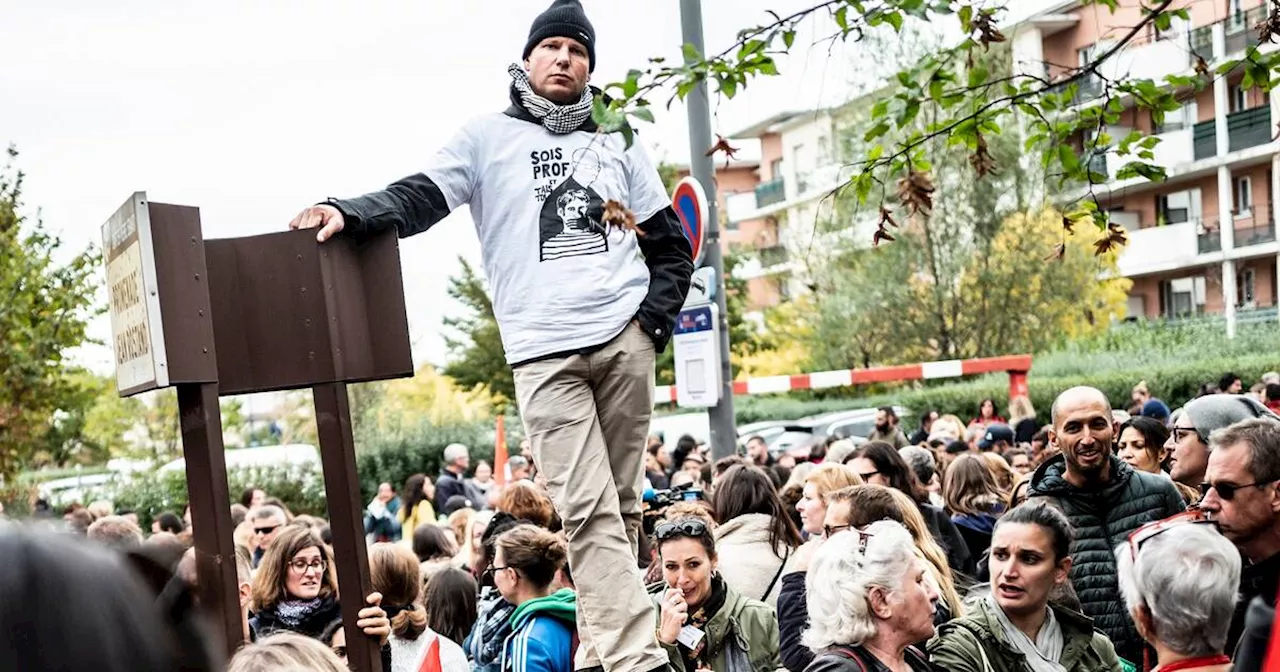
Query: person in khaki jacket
x: 1016, y: 628
x: 703, y: 623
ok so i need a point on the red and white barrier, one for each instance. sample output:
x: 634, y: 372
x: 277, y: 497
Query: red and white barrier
x: 1016, y: 365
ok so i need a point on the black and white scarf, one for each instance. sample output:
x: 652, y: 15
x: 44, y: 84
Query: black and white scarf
x: 559, y: 119
x: 293, y: 613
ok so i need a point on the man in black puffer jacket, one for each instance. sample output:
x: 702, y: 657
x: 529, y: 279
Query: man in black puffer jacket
x: 1106, y: 500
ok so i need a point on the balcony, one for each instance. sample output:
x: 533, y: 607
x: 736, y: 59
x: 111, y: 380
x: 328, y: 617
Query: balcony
x: 1242, y: 29
x: 774, y: 255
x: 1204, y: 140
x: 1158, y: 248
x: 1262, y: 230
x: 1240, y: 32
x: 1209, y: 240
x: 1249, y: 128
x: 773, y: 191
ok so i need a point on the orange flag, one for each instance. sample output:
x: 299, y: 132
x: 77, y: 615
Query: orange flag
x: 500, y: 453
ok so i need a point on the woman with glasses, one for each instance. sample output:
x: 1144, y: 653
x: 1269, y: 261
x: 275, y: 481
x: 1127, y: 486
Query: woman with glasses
x: 1180, y: 589
x: 296, y: 590
x: 879, y: 463
x: 703, y: 622
x: 1144, y: 444
x: 870, y: 601
x: 755, y: 536
x: 1016, y: 628
x: 543, y: 624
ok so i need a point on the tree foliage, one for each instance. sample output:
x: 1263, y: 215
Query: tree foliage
x: 476, y: 356
x: 966, y: 104
x: 47, y: 302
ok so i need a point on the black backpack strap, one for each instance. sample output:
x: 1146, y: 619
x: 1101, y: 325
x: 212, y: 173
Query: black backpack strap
x: 842, y: 651
x: 777, y: 576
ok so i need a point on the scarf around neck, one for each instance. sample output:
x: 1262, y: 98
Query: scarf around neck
x: 1042, y: 655
x: 557, y: 118
x: 293, y: 613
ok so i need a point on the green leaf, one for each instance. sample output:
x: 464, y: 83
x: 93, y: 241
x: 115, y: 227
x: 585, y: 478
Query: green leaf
x: 768, y: 67
x: 628, y: 135
x: 643, y: 113
x: 728, y: 86
x: 966, y: 19
x: 895, y: 19
x: 691, y: 54
x: 880, y: 109
x: 935, y: 89
x: 789, y: 38
x: 1137, y: 169
x: 749, y: 47
x: 977, y: 75
x: 842, y: 18
x: 1067, y: 155
x: 876, y: 131
x: 599, y: 113
x: 909, y: 112
x: 875, y: 152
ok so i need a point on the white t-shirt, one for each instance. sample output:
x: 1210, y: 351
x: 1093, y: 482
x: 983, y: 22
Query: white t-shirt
x: 560, y: 280
x: 406, y: 655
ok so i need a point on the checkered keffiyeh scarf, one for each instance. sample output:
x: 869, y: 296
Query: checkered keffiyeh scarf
x: 559, y: 119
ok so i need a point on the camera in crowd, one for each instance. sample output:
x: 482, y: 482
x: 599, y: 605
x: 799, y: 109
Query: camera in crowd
x: 657, y: 501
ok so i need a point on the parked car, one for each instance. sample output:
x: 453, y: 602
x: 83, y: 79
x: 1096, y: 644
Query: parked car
x: 798, y: 436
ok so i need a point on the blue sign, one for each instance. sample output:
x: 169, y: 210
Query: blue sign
x: 694, y: 320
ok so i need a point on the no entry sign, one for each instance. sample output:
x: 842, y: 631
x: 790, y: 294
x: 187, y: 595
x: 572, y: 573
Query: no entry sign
x: 690, y: 203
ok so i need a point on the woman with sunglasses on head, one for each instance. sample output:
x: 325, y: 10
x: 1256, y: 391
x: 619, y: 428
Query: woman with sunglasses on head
x: 525, y: 562
x: 870, y: 600
x: 296, y: 590
x: 703, y: 622
x: 1016, y: 628
x: 1180, y: 589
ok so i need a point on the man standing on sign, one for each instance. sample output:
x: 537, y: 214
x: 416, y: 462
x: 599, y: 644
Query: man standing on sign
x: 581, y: 312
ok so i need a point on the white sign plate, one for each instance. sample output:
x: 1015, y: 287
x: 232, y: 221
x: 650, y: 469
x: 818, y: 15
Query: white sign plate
x: 137, y: 337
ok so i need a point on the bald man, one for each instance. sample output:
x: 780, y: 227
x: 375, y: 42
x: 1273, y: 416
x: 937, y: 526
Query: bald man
x: 1106, y: 500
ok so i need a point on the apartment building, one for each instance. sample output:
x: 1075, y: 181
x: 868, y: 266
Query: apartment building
x: 1204, y: 240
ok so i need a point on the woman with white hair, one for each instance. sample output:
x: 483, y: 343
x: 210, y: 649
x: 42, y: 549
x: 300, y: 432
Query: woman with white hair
x: 1180, y: 589
x: 869, y: 601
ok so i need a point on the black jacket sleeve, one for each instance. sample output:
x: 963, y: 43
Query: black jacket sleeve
x: 670, y: 261
x: 411, y: 205
x: 793, y: 618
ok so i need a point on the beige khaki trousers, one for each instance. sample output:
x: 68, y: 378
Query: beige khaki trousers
x: 587, y: 419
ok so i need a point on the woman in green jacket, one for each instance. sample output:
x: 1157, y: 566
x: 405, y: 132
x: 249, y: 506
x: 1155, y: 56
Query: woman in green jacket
x: 702, y: 621
x: 1015, y: 628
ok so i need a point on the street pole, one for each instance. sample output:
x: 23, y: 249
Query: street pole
x: 724, y: 435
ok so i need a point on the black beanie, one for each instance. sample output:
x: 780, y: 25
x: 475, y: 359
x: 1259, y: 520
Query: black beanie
x: 564, y: 18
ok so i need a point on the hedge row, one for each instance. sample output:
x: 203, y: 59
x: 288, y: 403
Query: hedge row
x: 390, y: 457
x: 1174, y: 384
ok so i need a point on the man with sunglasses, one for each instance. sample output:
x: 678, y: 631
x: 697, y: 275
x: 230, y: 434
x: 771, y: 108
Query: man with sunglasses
x: 267, y: 521
x: 1241, y: 493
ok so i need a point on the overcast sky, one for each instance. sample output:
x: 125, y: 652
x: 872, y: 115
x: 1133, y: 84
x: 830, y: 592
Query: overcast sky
x: 252, y: 110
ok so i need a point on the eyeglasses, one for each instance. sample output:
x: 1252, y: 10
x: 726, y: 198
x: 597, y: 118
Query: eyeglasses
x: 691, y: 527
x: 1144, y: 534
x: 828, y: 530
x: 1179, y: 432
x: 867, y: 476
x: 863, y: 538
x: 1227, y: 491
x: 301, y: 566
x: 266, y: 530
x: 492, y: 571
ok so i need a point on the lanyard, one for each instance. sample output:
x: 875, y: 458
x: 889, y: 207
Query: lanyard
x: 1202, y: 661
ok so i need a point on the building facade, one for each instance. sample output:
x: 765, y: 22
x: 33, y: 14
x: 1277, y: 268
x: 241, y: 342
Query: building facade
x: 1204, y: 240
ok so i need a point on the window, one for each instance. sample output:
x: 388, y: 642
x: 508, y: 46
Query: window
x: 1182, y: 297
x: 1239, y: 98
x: 824, y: 151
x: 1173, y: 208
x: 1174, y: 120
x: 1244, y: 288
x: 775, y: 169
x: 1243, y: 196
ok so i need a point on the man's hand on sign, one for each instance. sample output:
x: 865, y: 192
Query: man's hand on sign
x: 373, y: 620
x: 327, y: 217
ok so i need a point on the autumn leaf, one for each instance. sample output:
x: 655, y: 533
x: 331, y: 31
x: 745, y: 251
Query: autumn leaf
x: 916, y: 192
x: 619, y: 217
x: 722, y: 145
x: 981, y: 160
x: 881, y: 234
x: 1068, y: 225
x: 1059, y: 252
x: 1114, y: 239
x: 1202, y: 67
x: 987, y: 30
x: 886, y: 217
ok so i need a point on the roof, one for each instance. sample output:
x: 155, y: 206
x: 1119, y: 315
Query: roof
x: 769, y: 124
x: 1054, y: 17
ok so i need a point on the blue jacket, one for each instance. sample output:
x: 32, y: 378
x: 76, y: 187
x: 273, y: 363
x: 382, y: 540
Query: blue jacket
x: 542, y: 635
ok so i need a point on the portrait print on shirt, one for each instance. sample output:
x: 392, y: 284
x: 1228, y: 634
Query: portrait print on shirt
x: 571, y: 221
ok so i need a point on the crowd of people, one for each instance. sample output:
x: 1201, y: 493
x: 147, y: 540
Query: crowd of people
x: 962, y: 549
